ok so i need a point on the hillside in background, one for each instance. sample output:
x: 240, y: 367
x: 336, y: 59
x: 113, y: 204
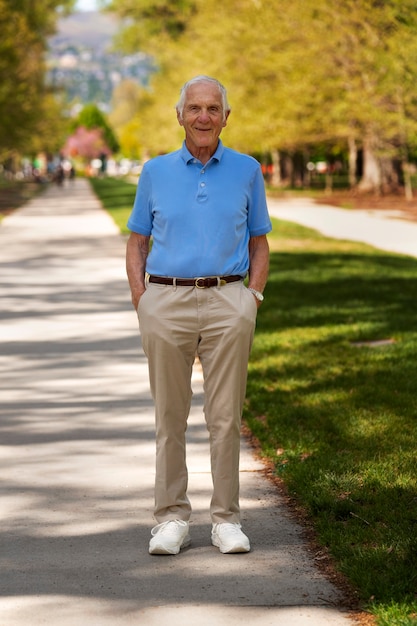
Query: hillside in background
x: 82, y: 64
x: 91, y: 29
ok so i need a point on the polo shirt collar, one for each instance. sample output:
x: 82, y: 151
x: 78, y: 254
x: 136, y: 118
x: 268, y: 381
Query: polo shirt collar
x: 188, y: 157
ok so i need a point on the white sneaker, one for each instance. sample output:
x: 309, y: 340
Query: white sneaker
x: 229, y: 538
x: 169, y: 537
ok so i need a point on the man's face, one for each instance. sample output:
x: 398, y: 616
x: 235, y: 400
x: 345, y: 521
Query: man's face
x: 203, y: 117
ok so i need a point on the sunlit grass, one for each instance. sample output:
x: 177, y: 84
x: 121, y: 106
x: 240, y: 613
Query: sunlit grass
x: 338, y: 419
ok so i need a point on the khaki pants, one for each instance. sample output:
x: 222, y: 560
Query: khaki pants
x: 218, y: 323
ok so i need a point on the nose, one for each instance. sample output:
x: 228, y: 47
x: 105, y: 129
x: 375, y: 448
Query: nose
x: 204, y: 115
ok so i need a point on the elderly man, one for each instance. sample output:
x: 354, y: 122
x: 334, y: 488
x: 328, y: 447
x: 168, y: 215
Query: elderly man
x: 204, y: 207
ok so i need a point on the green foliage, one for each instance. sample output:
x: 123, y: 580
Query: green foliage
x: 153, y: 18
x: 337, y: 413
x: 297, y: 73
x: 41, y: 16
x: 130, y: 103
x: 19, y: 78
x: 24, y: 101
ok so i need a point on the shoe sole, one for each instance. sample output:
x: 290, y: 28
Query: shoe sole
x: 233, y: 550
x: 161, y: 549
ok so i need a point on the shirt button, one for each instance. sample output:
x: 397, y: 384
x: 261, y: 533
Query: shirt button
x: 203, y: 184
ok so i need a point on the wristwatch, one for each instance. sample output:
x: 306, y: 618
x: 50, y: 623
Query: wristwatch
x: 258, y: 295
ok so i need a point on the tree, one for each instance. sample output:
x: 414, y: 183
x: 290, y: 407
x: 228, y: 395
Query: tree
x: 126, y: 101
x: 298, y: 73
x: 51, y: 128
x: 86, y: 144
x: 149, y: 21
x: 19, y: 79
x: 156, y: 27
x: 91, y: 118
x: 41, y: 15
x: 24, y: 99
x: 129, y: 105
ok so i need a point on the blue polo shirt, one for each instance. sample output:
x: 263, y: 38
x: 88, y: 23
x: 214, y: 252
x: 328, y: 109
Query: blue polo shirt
x: 200, y: 216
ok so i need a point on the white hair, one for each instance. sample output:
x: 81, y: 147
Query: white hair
x: 202, y: 79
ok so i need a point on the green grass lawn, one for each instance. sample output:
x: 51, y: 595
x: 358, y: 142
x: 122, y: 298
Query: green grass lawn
x: 332, y: 399
x: 338, y: 419
x: 117, y: 197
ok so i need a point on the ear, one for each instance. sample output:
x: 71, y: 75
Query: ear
x: 179, y: 118
x: 226, y: 118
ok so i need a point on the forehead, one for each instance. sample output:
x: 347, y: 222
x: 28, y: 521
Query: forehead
x: 203, y: 92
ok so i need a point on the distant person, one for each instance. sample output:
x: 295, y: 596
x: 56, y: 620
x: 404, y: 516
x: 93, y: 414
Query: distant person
x: 204, y: 207
x: 59, y: 175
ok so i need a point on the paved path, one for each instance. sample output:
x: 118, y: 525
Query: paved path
x: 77, y: 454
x: 381, y: 229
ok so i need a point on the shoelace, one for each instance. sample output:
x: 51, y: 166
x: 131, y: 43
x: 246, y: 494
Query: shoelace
x: 229, y: 528
x: 168, y: 527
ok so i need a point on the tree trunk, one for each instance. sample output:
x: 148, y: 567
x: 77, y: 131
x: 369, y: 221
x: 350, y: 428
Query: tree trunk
x: 353, y: 159
x: 329, y: 180
x: 287, y: 168
x: 371, y: 177
x: 407, y: 181
x: 276, y: 170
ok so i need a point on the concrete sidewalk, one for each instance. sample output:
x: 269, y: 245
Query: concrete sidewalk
x: 77, y: 455
x: 381, y: 229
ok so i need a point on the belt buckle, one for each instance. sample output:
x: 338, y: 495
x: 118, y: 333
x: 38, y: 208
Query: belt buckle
x: 197, y: 284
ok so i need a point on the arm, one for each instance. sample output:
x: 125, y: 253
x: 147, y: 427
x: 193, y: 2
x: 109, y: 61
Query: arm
x: 258, y: 263
x: 137, y: 251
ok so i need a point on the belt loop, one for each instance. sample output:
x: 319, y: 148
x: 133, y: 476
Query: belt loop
x: 147, y: 275
x: 219, y: 282
x: 174, y: 284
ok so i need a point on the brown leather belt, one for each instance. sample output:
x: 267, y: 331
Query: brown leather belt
x: 203, y: 282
